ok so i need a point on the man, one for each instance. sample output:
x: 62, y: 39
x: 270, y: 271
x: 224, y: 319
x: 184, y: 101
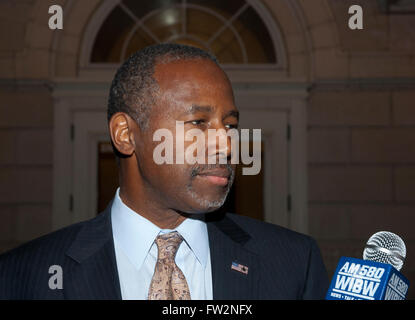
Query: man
x: 164, y: 236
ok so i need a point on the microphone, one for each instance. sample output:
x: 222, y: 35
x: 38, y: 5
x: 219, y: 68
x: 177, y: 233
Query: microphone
x: 377, y: 277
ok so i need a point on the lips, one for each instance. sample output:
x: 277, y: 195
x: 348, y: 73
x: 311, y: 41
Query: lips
x: 218, y: 177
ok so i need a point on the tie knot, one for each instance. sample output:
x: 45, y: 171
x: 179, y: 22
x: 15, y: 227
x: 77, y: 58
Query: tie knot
x: 168, y: 244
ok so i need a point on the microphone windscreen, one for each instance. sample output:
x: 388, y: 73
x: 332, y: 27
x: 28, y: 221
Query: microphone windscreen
x: 385, y: 247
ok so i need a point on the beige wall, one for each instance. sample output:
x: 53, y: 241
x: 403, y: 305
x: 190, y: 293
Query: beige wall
x: 361, y: 169
x: 26, y: 133
x: 361, y: 117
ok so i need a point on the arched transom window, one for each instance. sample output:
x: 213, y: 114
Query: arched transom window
x: 233, y: 30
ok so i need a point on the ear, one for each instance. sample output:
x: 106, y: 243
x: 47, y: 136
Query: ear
x: 121, y: 128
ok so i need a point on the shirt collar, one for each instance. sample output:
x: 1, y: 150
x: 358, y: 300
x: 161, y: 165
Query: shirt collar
x: 194, y: 232
x: 135, y: 234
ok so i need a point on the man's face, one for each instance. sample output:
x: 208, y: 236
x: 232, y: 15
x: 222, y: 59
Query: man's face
x: 198, y: 93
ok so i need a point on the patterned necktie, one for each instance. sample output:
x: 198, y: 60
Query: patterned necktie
x: 168, y: 282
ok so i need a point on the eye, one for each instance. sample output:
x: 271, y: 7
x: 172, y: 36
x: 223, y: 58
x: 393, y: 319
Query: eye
x: 231, y: 126
x: 196, y: 122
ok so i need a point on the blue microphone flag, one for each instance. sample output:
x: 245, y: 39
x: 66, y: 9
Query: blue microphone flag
x: 357, y: 279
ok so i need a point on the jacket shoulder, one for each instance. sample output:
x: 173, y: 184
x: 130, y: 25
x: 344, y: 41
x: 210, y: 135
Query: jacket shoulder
x: 54, y: 242
x: 261, y: 232
x: 25, y: 270
x: 291, y: 262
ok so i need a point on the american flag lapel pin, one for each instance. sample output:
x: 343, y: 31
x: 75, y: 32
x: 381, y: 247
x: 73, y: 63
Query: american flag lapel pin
x: 239, y: 267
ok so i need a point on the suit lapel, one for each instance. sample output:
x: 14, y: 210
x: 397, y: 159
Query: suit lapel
x: 93, y: 275
x: 226, y: 241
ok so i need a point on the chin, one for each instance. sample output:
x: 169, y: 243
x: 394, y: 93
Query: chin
x: 204, y: 204
x: 205, y: 200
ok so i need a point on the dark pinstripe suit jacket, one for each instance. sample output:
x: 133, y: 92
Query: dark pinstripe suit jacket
x: 281, y: 264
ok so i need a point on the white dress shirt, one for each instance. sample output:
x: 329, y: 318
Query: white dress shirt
x: 136, y: 253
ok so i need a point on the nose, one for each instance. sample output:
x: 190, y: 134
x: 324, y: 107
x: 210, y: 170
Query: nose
x: 225, y: 149
x: 219, y: 144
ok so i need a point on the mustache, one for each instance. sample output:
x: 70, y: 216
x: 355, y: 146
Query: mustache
x: 199, y: 169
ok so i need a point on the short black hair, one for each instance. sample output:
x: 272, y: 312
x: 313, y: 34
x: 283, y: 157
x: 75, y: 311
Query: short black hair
x: 134, y: 89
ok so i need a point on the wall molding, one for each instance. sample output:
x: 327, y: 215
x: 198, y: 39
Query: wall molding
x: 363, y: 84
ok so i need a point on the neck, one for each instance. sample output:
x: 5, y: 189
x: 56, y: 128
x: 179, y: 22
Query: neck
x: 144, y: 202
